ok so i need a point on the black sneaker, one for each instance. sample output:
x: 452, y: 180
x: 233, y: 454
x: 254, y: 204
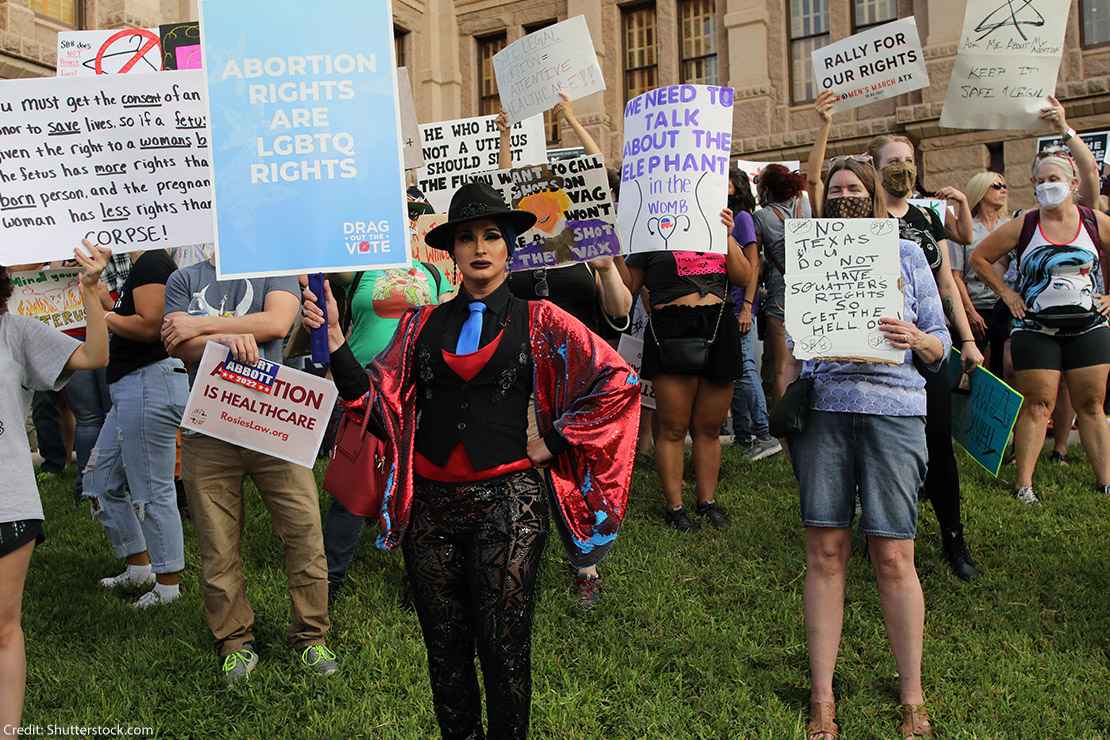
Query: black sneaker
x: 716, y: 515
x: 680, y: 520
x: 1058, y: 458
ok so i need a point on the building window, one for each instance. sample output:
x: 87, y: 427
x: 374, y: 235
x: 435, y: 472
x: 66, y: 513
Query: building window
x: 1096, y: 21
x: 867, y: 13
x: 62, y: 11
x: 641, y: 57
x: 550, y: 117
x: 488, y: 101
x: 809, y: 31
x: 698, y: 23
x: 400, y: 36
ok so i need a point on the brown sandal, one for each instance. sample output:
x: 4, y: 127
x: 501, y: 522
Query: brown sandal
x: 915, y: 722
x: 821, y: 716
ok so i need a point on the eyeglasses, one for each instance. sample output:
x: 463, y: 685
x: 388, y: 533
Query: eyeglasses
x: 999, y: 186
x: 539, y: 283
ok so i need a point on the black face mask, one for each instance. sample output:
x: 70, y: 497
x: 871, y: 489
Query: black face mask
x: 734, y: 203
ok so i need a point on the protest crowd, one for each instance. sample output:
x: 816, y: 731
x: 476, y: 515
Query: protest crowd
x: 550, y: 326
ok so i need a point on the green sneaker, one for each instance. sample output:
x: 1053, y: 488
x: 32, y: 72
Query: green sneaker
x: 239, y: 664
x: 320, y: 659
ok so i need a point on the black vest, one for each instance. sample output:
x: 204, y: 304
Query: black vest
x: 488, y: 414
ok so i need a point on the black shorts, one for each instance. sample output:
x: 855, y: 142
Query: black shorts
x: 724, y: 362
x: 1032, y: 350
x: 14, y: 535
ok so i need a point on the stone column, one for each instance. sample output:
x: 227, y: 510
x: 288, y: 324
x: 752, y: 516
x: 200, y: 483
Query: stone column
x: 746, y: 25
x: 436, y: 74
x: 946, y: 21
x: 591, y: 111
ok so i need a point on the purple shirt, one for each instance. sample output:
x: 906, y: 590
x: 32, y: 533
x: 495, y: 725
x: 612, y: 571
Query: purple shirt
x: 743, y: 231
x: 887, y: 390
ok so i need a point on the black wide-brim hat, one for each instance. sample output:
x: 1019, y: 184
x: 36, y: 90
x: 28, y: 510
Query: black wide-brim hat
x: 472, y: 202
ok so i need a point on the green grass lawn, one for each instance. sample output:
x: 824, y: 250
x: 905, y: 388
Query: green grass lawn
x: 697, y: 636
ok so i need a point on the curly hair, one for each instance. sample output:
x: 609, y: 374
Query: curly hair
x: 780, y: 184
x: 5, y: 290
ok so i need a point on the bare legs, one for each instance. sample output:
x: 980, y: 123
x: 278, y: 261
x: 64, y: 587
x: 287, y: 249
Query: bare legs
x: 13, y: 657
x: 686, y: 403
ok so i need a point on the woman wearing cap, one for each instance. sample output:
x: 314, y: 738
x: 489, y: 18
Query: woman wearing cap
x: 451, y: 397
x: 1059, y: 314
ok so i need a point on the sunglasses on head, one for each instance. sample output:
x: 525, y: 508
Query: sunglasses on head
x: 1055, y: 151
x: 861, y: 158
x: 999, y: 186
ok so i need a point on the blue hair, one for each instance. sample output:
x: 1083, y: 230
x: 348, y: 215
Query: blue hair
x: 508, y: 234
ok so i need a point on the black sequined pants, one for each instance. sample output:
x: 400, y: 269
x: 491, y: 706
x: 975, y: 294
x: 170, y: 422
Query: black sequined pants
x: 473, y: 552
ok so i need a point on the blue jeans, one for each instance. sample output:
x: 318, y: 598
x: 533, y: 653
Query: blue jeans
x: 48, y: 431
x: 89, y: 400
x: 749, y: 405
x: 136, y: 450
x: 342, y: 532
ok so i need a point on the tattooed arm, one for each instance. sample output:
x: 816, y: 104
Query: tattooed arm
x: 962, y: 337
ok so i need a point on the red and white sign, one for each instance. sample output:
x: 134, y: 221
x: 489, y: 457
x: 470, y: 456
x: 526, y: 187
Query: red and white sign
x: 122, y: 51
x: 288, y: 422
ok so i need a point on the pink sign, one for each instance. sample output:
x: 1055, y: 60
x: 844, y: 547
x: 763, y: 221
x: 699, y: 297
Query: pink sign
x: 188, y: 57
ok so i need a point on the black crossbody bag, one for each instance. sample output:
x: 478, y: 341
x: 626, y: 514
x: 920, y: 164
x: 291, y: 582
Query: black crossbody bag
x: 791, y: 413
x: 685, y: 355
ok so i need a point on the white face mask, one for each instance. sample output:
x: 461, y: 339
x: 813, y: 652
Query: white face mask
x: 1052, y: 194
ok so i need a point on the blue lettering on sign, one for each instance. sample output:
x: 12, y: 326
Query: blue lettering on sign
x: 258, y: 377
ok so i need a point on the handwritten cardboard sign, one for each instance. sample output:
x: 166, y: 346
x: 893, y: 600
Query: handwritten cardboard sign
x: 455, y: 150
x: 576, y: 220
x: 842, y: 276
x: 121, y: 160
x: 632, y: 350
x: 121, y: 51
x: 674, y: 172
x: 532, y: 70
x: 879, y: 63
x: 421, y: 252
x: 984, y: 411
x: 306, y: 140
x: 287, y: 421
x: 51, y: 296
x: 1007, y: 63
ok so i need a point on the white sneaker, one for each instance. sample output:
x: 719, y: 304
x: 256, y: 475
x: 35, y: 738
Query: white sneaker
x: 155, y: 598
x: 1026, y: 496
x: 127, y: 579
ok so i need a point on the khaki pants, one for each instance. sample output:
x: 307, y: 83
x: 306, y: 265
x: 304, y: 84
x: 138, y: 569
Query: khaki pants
x: 213, y: 474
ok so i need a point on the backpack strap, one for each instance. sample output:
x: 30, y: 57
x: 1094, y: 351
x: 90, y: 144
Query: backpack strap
x: 1090, y: 223
x: 347, y: 304
x: 1028, y: 229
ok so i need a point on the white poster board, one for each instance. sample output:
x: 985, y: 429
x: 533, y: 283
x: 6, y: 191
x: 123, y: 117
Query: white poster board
x: 410, y: 129
x: 674, y: 171
x: 754, y: 169
x: 268, y: 408
x: 454, y: 150
x: 631, y: 348
x: 1007, y: 63
x: 532, y: 70
x: 122, y: 51
x: 879, y: 63
x: 842, y: 276
x: 51, y: 296
x: 121, y: 160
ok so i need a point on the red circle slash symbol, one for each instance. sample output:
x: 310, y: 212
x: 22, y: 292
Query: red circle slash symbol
x: 148, y: 40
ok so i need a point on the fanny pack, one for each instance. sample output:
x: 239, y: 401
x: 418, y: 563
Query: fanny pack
x: 792, y: 410
x: 1064, y: 317
x: 685, y: 355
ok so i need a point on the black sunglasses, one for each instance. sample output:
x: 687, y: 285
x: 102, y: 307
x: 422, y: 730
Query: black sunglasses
x: 999, y: 186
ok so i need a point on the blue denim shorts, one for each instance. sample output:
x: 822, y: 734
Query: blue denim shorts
x: 880, y: 459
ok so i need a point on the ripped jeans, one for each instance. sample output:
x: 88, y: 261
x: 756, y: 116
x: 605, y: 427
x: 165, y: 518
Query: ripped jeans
x: 130, y: 471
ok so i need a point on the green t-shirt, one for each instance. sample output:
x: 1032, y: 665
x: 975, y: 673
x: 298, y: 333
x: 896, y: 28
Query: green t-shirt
x: 379, y: 301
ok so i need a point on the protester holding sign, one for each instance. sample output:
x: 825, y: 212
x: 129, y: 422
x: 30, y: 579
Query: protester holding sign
x: 451, y: 399
x: 864, y: 437
x: 130, y: 474
x: 250, y: 317
x: 692, y: 354
x: 32, y: 357
x: 1060, y: 314
x: 594, y: 293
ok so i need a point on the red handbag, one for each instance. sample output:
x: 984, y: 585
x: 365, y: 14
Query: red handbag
x: 356, y: 475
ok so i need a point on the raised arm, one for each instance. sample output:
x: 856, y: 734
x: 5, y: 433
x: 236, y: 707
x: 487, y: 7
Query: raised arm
x: 93, y: 352
x: 566, y: 110
x: 814, y: 185
x: 1085, y: 164
x: 959, y: 230
x: 505, y: 151
x: 616, y: 299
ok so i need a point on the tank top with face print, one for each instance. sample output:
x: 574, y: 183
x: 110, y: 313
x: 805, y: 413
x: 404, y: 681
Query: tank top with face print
x: 1059, y: 283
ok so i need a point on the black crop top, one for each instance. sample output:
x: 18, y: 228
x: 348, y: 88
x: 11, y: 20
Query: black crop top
x: 669, y: 276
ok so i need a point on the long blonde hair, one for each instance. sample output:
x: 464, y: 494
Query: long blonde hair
x: 977, y: 188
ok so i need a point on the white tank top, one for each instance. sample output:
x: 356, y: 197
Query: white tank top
x: 1059, y: 282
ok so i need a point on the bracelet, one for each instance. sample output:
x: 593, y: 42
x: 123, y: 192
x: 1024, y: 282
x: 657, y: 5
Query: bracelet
x: 965, y: 341
x: 748, y: 302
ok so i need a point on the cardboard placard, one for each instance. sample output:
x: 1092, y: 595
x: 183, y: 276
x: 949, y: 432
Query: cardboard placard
x: 674, y: 171
x: 306, y: 138
x: 455, y: 150
x: 51, y: 296
x: 879, y: 63
x: 421, y: 252
x: 532, y: 70
x: 121, y: 160
x: 984, y: 412
x: 842, y: 276
x: 410, y: 129
x: 285, y: 420
x: 1007, y: 63
x: 1097, y: 141
x: 632, y: 350
x: 119, y: 51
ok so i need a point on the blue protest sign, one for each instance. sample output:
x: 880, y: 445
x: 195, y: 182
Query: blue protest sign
x: 306, y: 145
x: 984, y: 411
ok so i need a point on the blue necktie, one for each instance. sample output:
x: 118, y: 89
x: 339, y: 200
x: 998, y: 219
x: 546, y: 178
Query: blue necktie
x: 471, y: 330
